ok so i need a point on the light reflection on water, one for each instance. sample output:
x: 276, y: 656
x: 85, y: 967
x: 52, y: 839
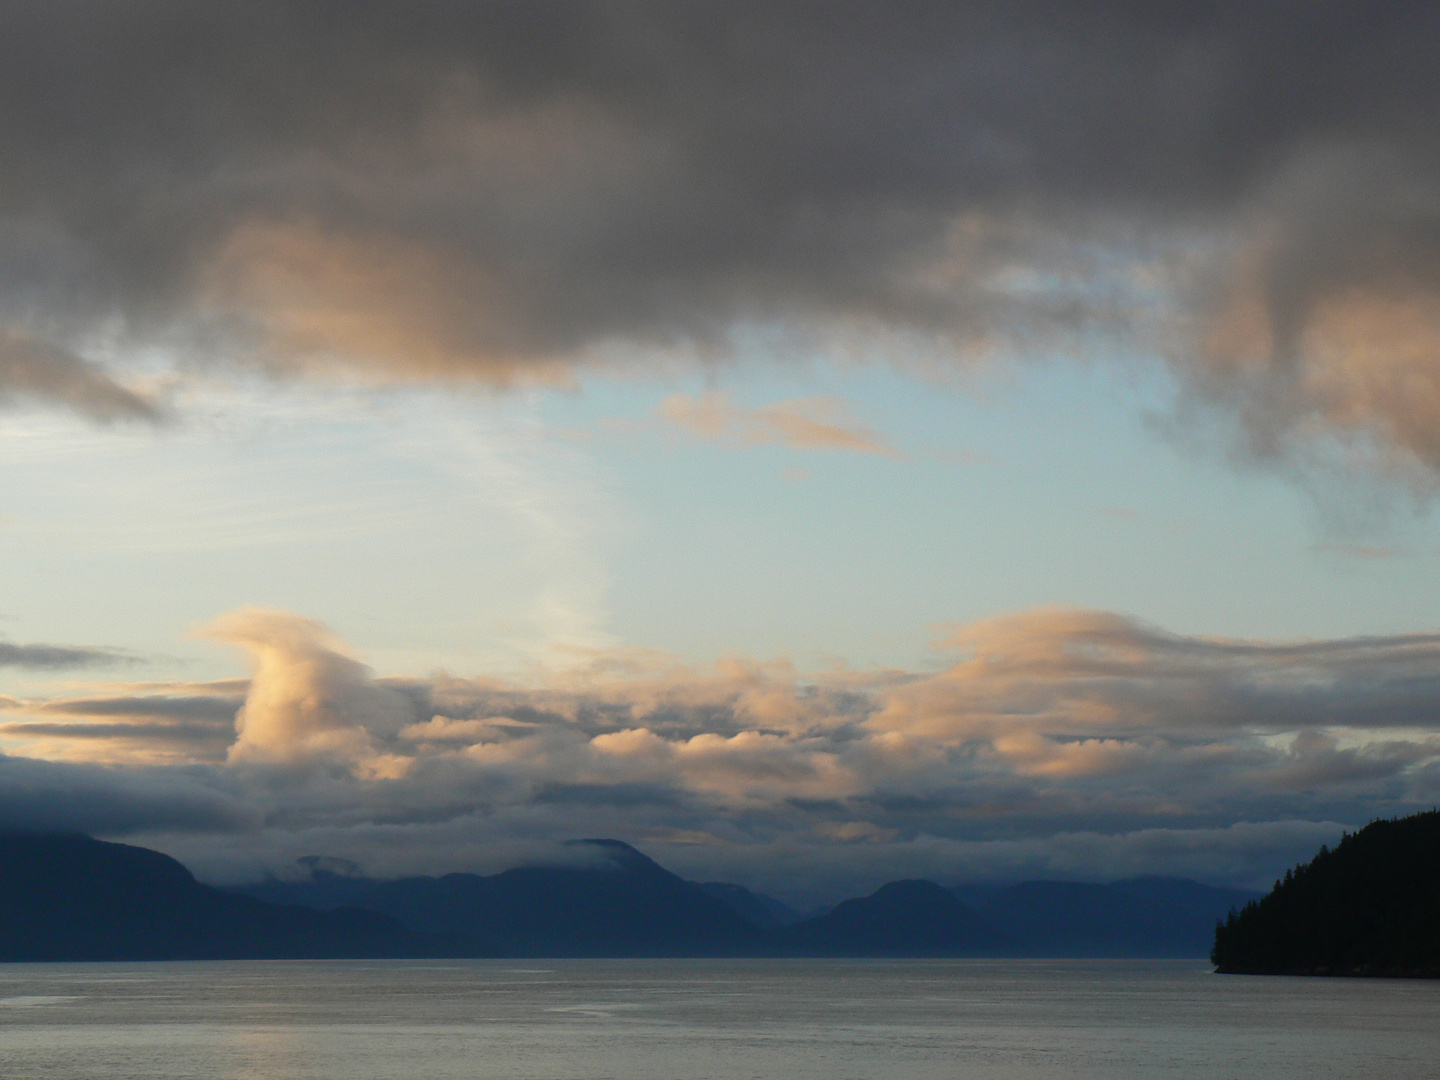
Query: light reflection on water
x: 705, y: 1020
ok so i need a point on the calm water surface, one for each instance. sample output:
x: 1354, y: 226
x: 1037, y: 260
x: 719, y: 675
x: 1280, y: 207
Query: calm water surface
x: 705, y: 1020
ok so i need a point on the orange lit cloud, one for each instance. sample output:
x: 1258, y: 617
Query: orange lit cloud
x: 308, y: 702
x: 817, y: 423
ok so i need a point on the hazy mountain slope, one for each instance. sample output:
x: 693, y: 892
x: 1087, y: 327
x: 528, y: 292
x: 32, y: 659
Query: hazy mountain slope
x: 322, y: 891
x: 1138, y: 917
x: 759, y: 910
x: 903, y: 918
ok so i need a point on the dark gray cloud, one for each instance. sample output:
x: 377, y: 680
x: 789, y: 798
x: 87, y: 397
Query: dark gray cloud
x: 1247, y: 855
x: 500, y: 190
x: 115, y: 802
x: 186, y: 733
x: 217, y: 710
x: 57, y: 656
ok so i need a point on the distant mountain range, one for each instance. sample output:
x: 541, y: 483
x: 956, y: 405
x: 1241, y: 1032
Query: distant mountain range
x: 74, y: 898
x: 625, y: 904
x: 1369, y: 907
x: 71, y: 897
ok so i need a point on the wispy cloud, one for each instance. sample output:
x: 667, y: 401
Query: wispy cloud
x: 813, y: 423
x: 144, y: 724
x: 58, y: 656
x: 1362, y: 551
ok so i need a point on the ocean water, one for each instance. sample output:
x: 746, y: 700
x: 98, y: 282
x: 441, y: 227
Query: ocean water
x: 705, y: 1020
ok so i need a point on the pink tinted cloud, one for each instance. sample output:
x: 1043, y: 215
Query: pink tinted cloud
x: 813, y: 423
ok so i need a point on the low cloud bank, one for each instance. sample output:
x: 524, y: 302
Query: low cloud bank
x: 1062, y: 742
x: 69, y: 797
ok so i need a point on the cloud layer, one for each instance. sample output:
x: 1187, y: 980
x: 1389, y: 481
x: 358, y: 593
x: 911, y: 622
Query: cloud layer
x: 56, y: 656
x: 1057, y: 740
x: 502, y: 191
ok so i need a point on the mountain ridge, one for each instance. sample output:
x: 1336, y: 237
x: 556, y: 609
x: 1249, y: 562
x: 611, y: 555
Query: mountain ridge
x: 73, y: 897
x: 65, y: 896
x: 1154, y: 916
x: 625, y: 904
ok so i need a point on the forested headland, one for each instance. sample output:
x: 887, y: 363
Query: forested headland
x: 1370, y: 906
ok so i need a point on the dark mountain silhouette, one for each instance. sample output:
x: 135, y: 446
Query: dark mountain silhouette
x: 903, y: 918
x: 1145, y: 916
x: 613, y: 902
x: 1140, y: 917
x: 1370, y: 907
x: 759, y: 910
x: 68, y: 897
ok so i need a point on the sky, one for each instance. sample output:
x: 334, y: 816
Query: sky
x: 816, y: 443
